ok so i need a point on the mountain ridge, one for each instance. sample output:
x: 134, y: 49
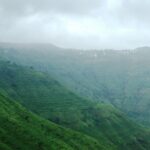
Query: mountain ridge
x: 115, y: 77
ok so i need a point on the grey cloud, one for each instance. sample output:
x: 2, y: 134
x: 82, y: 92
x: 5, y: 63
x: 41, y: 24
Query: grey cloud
x: 78, y: 23
x: 22, y: 7
x: 133, y: 11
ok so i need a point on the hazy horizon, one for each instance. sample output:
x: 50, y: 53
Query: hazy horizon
x: 66, y: 48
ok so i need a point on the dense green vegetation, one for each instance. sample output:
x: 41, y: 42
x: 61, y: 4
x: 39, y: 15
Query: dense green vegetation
x: 20, y: 129
x: 121, y: 78
x: 45, y: 96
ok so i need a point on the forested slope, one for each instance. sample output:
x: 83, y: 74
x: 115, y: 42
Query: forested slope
x: 20, y: 129
x: 43, y: 95
x: 121, y: 78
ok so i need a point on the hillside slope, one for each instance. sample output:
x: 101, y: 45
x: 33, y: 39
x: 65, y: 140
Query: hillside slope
x: 20, y: 129
x: 45, y: 96
x: 121, y: 78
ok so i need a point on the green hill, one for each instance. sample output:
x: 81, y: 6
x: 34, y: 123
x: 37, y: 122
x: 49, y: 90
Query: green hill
x: 45, y: 96
x: 20, y: 129
x: 121, y: 78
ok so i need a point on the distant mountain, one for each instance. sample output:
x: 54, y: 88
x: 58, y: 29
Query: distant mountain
x: 121, y: 78
x: 44, y: 96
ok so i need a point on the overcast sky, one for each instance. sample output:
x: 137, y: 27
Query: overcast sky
x: 86, y: 24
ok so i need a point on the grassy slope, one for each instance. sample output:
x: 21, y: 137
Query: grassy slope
x: 45, y: 96
x: 20, y: 129
x: 119, y: 77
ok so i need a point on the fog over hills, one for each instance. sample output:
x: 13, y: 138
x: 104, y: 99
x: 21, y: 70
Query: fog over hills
x: 71, y: 122
x: 117, y: 77
x: 74, y: 75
